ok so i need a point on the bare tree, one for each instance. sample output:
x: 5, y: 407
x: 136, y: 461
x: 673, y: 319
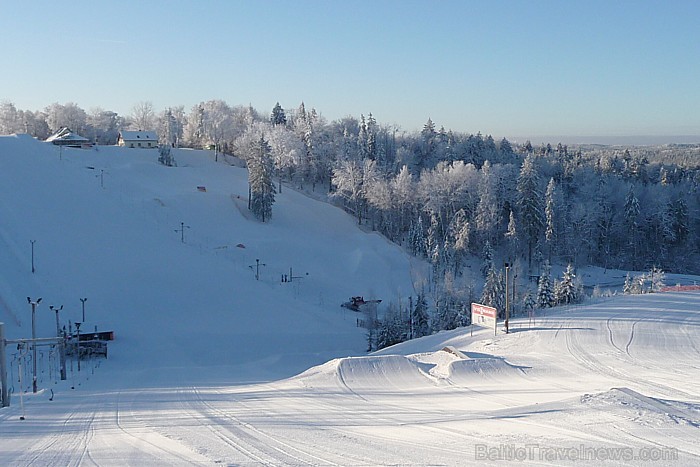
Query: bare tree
x: 143, y: 117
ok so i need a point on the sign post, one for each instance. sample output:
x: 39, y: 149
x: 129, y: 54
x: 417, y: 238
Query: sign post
x: 484, y: 316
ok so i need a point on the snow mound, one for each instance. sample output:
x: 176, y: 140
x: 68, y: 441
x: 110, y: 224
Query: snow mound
x: 643, y: 410
x: 447, y: 366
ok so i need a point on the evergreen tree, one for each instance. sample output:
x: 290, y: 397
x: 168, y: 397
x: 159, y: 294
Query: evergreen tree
x: 628, y: 288
x: 512, y: 235
x: 165, y: 157
x: 550, y: 233
x: 420, y: 318
x: 487, y: 264
x: 545, y: 292
x: 631, y: 213
x: 494, y: 292
x: 530, y: 203
x: 278, y: 116
x: 567, y: 290
x: 260, y: 179
x: 657, y: 278
x: 445, y: 314
x: 391, y: 330
x: 416, y: 238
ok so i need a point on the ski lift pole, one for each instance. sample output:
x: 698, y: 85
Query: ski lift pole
x: 5, y: 402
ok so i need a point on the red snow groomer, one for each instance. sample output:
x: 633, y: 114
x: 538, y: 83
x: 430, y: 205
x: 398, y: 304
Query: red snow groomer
x: 356, y: 303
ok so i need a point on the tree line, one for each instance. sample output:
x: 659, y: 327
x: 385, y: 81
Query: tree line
x: 447, y: 196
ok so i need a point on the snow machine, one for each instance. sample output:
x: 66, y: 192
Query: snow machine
x: 356, y: 303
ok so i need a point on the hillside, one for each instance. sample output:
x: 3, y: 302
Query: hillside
x: 104, y: 223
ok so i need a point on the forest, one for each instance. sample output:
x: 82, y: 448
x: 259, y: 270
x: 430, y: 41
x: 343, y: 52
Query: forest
x: 465, y: 202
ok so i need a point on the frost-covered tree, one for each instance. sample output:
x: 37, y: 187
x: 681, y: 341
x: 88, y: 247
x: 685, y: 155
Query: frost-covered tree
x: 68, y: 115
x: 278, y: 116
x: 391, y: 329
x: 420, y: 318
x: 545, y: 289
x: 657, y: 279
x: 260, y: 173
x: 142, y: 116
x: 530, y: 203
x: 494, y: 292
x: 512, y: 235
x: 567, y: 290
x: 551, y: 213
x: 628, y: 287
x: 487, y: 259
x: 165, y: 156
x: 631, y: 216
x: 9, y: 119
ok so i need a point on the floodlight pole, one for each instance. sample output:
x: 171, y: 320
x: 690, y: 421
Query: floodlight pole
x: 4, y: 395
x: 83, y: 300
x: 182, y: 231
x: 34, y: 304
x: 33, y: 242
x: 61, y: 344
x: 507, y: 265
x: 77, y: 327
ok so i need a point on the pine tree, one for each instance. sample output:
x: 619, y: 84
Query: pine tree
x: 567, y: 291
x: 545, y: 292
x: 494, y: 292
x: 420, y: 318
x: 631, y: 213
x: 416, y: 238
x: 550, y: 233
x: 530, y: 203
x: 391, y: 330
x: 487, y: 255
x: 628, y: 287
x: 260, y: 179
x: 165, y: 157
x: 278, y: 116
x: 657, y: 279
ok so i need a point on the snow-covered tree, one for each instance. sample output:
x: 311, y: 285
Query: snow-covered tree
x: 391, y: 329
x: 9, y: 119
x: 278, y: 116
x: 142, y: 116
x: 419, y: 317
x: 530, y: 203
x: 487, y: 259
x: 545, y: 289
x: 260, y: 173
x: 551, y: 212
x: 165, y: 156
x: 567, y: 290
x: 494, y: 292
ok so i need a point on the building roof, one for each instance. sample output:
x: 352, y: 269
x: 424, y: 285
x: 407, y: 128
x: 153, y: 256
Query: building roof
x: 139, y: 136
x: 66, y: 135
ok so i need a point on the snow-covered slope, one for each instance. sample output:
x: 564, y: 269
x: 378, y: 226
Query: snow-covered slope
x: 615, y: 382
x: 104, y: 223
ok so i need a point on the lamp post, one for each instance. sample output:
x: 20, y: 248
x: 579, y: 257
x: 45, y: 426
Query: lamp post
x: 77, y: 328
x: 61, y: 344
x: 182, y: 231
x: 34, y: 304
x: 83, y: 300
x: 507, y: 265
x: 33, y: 242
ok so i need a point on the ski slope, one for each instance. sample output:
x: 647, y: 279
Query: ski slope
x: 213, y: 367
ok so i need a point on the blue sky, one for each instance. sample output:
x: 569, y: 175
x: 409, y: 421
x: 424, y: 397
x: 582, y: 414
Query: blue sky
x: 507, y: 68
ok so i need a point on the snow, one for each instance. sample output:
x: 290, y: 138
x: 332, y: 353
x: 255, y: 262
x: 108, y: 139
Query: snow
x: 211, y: 366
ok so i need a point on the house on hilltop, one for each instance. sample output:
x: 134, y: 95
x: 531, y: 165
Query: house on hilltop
x: 138, y: 139
x: 65, y: 137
